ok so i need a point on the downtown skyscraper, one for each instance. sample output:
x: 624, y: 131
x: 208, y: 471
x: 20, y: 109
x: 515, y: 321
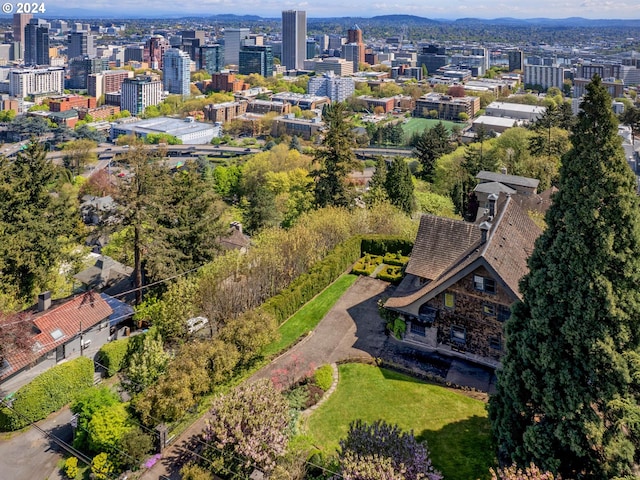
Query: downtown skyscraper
x: 294, y: 39
x: 176, y: 72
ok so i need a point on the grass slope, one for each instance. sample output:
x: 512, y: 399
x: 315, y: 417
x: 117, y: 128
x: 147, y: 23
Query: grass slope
x: 455, y: 427
x: 419, y: 125
x: 308, y: 317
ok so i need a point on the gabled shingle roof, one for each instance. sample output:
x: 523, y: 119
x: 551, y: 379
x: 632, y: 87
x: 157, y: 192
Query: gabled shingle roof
x: 509, y: 244
x: 57, y: 326
x: 508, y: 179
x: 449, y: 238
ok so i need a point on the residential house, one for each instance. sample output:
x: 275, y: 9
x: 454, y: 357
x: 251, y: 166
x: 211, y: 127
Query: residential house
x: 462, y: 279
x: 76, y: 327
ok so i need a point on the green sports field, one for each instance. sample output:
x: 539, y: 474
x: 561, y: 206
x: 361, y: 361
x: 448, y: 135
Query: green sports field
x: 419, y: 124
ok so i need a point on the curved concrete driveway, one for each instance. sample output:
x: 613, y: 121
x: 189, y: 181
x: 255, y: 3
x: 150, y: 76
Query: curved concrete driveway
x: 351, y: 329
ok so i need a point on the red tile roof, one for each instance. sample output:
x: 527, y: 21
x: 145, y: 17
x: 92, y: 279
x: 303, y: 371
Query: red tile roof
x: 83, y: 312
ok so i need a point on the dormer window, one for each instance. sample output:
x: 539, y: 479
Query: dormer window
x: 484, y: 284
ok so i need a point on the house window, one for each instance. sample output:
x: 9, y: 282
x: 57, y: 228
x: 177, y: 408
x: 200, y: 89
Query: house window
x: 503, y: 313
x: 449, y: 300
x: 495, y: 342
x: 458, y: 335
x: 418, y: 329
x: 489, y: 309
x: 484, y: 284
x: 427, y: 314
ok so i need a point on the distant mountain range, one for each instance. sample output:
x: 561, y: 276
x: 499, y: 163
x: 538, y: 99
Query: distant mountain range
x: 58, y: 12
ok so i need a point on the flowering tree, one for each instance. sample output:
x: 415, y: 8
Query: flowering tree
x: 398, y: 454
x: 248, y: 429
x: 514, y: 473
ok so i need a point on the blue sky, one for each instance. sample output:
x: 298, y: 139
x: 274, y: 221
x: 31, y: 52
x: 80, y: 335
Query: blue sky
x: 622, y: 9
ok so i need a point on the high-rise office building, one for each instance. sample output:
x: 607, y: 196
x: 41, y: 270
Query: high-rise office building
x: 134, y: 53
x: 80, y: 44
x: 256, y: 59
x: 234, y: 39
x: 354, y: 35
x: 109, y: 81
x: 294, y: 38
x: 20, y: 21
x: 139, y: 93
x: 516, y: 60
x: 176, y: 72
x: 154, y: 50
x: 351, y: 53
x: 81, y: 67
x: 36, y: 42
x: 211, y: 58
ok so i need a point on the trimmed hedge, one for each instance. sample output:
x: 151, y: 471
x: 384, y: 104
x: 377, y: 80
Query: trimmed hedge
x: 366, y: 265
x: 382, y: 244
x: 326, y: 271
x: 112, y: 355
x: 46, y: 393
x: 308, y: 285
x: 395, y: 259
x: 391, y: 274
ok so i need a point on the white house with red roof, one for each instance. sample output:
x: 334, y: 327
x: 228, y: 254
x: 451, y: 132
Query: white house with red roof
x: 79, y: 326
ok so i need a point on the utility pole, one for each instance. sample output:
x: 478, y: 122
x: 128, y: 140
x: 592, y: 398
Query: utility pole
x: 81, y: 338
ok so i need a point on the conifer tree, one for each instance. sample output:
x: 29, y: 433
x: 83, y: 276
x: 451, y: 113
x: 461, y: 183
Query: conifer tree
x: 377, y: 190
x: 429, y: 146
x: 568, y: 393
x: 399, y: 186
x: 336, y: 158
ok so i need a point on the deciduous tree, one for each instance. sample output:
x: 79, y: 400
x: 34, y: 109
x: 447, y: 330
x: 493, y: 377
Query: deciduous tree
x: 568, y: 396
x: 248, y: 428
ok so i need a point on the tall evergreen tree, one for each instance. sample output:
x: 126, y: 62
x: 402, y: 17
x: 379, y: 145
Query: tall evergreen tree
x: 38, y: 219
x: 431, y: 145
x: 568, y: 394
x: 336, y: 159
x: 377, y: 185
x: 399, y: 186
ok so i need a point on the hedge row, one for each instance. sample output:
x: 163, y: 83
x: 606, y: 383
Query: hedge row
x: 382, y: 244
x: 326, y: 271
x: 391, y: 274
x: 395, y: 259
x: 308, y: 285
x: 46, y: 393
x: 112, y: 355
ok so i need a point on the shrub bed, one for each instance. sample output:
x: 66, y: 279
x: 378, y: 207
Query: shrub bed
x: 323, y: 377
x: 47, y: 393
x: 366, y: 265
x: 396, y: 259
x: 391, y: 274
x: 112, y: 355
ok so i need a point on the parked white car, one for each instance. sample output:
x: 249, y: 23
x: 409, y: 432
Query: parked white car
x: 196, y: 323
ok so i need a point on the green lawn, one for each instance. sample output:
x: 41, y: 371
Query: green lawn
x: 306, y: 319
x: 455, y: 427
x: 419, y: 124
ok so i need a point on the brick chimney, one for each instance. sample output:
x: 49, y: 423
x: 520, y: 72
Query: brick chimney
x: 44, y: 301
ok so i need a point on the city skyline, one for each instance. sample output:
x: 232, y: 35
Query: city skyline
x: 487, y: 9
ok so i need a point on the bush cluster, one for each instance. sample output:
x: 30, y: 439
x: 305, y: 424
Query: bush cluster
x: 323, y: 377
x: 391, y: 274
x: 367, y: 264
x: 396, y: 259
x: 47, y: 393
x: 113, y: 354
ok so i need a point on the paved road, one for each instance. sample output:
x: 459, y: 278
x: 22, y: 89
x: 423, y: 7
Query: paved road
x: 30, y: 455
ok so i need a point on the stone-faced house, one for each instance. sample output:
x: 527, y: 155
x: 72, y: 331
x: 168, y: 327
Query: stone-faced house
x: 462, y: 279
x: 79, y: 326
